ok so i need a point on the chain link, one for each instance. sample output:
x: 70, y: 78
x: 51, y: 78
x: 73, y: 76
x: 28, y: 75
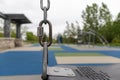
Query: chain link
x: 45, y: 14
x: 47, y: 7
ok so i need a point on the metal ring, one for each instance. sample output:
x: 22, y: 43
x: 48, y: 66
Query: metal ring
x: 50, y: 33
x: 48, y: 4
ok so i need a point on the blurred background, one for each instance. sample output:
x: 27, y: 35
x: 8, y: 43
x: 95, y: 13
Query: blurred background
x: 74, y: 21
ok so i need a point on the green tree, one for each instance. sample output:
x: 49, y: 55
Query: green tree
x: 31, y: 37
x: 1, y: 35
x: 1, y: 30
x: 71, y: 30
x: 106, y: 25
x: 116, y: 29
x: 1, y: 22
x: 24, y: 30
x: 95, y: 17
x: 13, y: 30
x: 45, y: 37
x: 70, y: 33
x: 90, y: 17
x: 105, y: 16
x: 13, y: 34
x: 98, y: 19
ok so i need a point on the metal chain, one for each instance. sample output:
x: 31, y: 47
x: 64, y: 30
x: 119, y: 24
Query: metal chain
x: 40, y: 33
x: 47, y: 7
x: 44, y: 21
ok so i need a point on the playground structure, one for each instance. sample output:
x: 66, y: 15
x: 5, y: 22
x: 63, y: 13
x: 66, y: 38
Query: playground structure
x: 83, y: 40
x: 17, y: 19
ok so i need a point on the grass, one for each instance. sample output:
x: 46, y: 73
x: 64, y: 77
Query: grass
x: 115, y: 44
x: 78, y: 54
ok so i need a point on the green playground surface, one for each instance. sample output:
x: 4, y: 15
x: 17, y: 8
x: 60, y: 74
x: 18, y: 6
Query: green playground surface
x: 67, y: 54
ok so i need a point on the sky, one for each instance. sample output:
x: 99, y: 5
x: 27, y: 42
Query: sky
x: 60, y: 11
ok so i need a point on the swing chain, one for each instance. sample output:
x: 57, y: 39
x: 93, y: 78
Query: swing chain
x: 44, y: 21
x: 40, y: 33
x: 47, y: 7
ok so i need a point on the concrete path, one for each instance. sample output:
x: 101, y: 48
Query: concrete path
x: 87, y: 60
x: 25, y: 77
x: 24, y: 48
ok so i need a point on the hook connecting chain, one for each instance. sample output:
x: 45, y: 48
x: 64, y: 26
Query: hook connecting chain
x: 40, y: 28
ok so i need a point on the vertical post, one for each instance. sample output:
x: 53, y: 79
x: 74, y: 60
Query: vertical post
x: 18, y: 31
x: 7, y: 28
x: 18, y: 40
x: 94, y: 40
x: 89, y: 39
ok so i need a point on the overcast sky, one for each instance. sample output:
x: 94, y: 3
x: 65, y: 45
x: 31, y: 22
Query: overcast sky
x: 60, y: 11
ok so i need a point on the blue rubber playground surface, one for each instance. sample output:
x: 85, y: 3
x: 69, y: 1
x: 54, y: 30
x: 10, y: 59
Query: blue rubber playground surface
x: 30, y: 62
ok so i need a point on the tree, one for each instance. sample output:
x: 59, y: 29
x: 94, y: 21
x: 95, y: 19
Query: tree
x: 95, y: 17
x: 1, y: 34
x: 24, y: 30
x: 13, y: 30
x: 45, y: 37
x: 116, y: 29
x: 105, y: 16
x: 90, y: 17
x: 1, y: 29
x: 71, y: 30
x: 31, y: 37
x: 13, y: 34
x: 106, y: 25
x: 70, y: 34
x: 98, y: 19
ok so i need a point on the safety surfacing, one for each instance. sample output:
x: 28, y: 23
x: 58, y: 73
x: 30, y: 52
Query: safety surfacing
x: 27, y: 64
